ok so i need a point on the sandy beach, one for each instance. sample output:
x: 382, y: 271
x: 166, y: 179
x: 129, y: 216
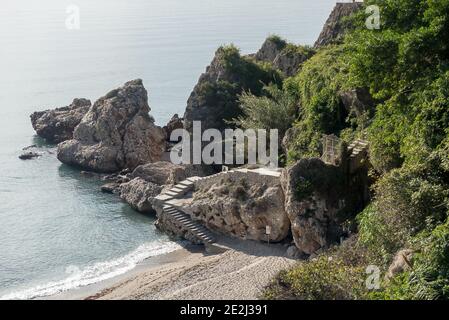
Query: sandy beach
x: 240, y: 272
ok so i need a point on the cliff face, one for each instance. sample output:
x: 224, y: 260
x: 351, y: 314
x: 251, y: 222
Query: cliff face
x: 214, y: 100
x: 334, y: 28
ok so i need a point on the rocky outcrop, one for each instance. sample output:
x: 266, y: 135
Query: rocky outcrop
x: 335, y: 27
x: 214, y: 100
x: 175, y: 123
x: 116, y: 133
x: 139, y: 194
x: 402, y: 262
x: 139, y: 187
x: 314, y: 198
x: 167, y: 173
x: 285, y: 57
x: 271, y: 49
x: 358, y: 102
x: 58, y: 125
x: 241, y: 208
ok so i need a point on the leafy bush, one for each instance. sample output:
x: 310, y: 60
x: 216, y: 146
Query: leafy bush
x: 322, y: 279
x: 337, y: 275
x: 316, y: 87
x: 274, y: 110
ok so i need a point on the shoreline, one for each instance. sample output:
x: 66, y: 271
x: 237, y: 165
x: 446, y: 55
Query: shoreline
x: 86, y: 292
x: 240, y: 272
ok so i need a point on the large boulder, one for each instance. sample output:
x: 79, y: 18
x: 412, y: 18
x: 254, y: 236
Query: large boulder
x: 314, y: 201
x: 167, y: 173
x: 116, y: 133
x: 241, y: 208
x: 335, y: 26
x: 58, y: 125
x: 139, y: 194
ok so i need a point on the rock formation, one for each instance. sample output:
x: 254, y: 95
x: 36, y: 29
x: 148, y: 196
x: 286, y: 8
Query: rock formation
x: 116, y: 133
x: 358, y: 102
x: 285, y: 57
x: 402, y: 262
x: 148, y: 180
x: 175, y: 123
x: 58, y: 125
x: 314, y: 199
x: 335, y: 28
x: 140, y: 194
x: 214, y: 99
x: 241, y: 207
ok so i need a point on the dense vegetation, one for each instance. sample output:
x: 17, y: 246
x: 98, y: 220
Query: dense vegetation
x: 405, y: 68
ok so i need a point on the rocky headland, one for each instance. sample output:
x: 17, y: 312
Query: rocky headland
x: 116, y: 137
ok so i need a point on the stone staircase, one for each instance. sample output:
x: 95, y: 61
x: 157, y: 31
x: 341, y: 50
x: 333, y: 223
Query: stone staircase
x: 186, y: 221
x: 357, y: 147
x: 170, y: 202
x: 179, y: 190
x: 166, y: 201
x: 358, y: 154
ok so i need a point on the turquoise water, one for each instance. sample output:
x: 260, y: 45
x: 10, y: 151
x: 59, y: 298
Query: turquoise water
x: 57, y: 230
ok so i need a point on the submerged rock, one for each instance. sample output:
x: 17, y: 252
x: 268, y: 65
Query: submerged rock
x: 58, y: 125
x: 111, y: 187
x: 29, y: 155
x: 116, y: 133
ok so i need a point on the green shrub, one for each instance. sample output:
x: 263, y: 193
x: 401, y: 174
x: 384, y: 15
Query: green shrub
x: 274, y: 110
x: 317, y: 87
x: 322, y: 279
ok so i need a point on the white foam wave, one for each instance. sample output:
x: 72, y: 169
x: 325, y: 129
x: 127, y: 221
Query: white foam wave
x: 95, y: 273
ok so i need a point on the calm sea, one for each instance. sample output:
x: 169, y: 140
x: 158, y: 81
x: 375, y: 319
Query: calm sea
x: 57, y: 230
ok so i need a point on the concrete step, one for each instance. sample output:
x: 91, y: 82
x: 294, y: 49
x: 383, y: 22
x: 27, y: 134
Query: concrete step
x: 186, y: 183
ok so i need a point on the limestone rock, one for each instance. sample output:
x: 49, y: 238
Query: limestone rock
x: 29, y: 155
x: 358, y: 101
x: 402, y: 262
x: 241, y: 209
x: 167, y: 173
x: 58, y: 125
x: 334, y: 29
x: 111, y: 187
x: 214, y: 100
x: 116, y: 133
x: 140, y: 194
x: 175, y: 123
x: 314, y: 195
x: 285, y: 57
